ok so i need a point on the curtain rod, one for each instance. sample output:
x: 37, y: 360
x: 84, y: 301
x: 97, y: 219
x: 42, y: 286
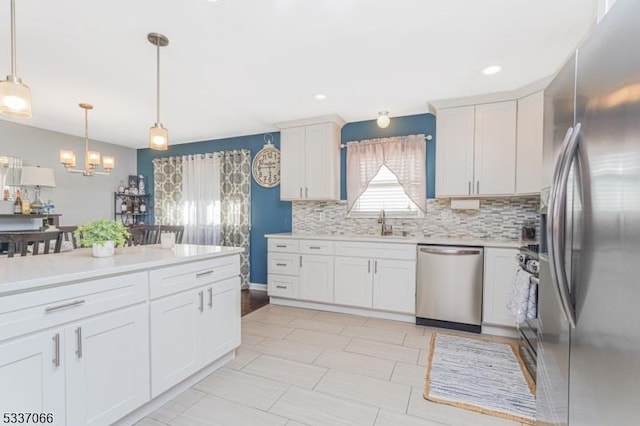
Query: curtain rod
x: 427, y: 138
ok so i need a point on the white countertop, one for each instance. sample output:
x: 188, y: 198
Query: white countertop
x: 451, y: 241
x: 18, y: 274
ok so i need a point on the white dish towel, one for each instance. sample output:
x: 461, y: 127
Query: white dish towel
x: 522, y: 298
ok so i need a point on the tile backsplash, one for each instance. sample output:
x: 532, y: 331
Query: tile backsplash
x: 499, y: 218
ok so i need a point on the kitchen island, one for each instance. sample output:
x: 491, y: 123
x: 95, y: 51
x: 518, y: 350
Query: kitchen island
x: 98, y: 341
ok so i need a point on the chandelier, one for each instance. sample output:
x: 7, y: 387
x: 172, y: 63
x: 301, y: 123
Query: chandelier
x: 91, y: 158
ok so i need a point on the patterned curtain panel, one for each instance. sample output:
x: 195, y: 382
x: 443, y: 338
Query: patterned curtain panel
x: 235, y: 204
x: 167, y: 184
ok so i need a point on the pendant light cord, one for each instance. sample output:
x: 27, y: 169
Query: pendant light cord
x: 86, y: 140
x: 13, y: 38
x: 158, y: 79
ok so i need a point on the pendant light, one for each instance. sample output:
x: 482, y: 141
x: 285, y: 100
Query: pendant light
x: 15, y: 97
x: 91, y: 158
x: 158, y: 134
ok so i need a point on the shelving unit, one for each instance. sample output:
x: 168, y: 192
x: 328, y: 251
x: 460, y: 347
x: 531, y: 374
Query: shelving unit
x: 132, y: 216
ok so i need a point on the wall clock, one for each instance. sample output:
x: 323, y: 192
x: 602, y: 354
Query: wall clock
x: 266, y: 164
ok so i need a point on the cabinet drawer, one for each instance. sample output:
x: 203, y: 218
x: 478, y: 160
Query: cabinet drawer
x: 282, y: 286
x: 27, y: 312
x: 283, y: 263
x: 316, y: 247
x: 173, y: 279
x: 376, y: 250
x: 282, y: 245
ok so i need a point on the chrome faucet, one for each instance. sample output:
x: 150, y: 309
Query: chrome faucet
x: 384, y: 229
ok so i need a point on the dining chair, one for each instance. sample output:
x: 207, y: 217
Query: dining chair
x: 40, y: 242
x: 68, y: 234
x: 143, y: 235
x: 176, y: 229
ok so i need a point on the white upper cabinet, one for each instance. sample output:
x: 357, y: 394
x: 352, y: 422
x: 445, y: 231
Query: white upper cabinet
x: 476, y: 150
x: 529, y: 145
x: 310, y: 159
x: 292, y: 159
x: 454, y: 151
x: 495, y: 149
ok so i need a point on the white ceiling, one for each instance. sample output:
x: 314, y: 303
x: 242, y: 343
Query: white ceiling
x: 236, y: 67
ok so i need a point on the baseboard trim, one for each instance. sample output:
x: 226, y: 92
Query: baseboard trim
x: 256, y: 286
x: 497, y: 330
x: 343, y: 309
x: 160, y: 400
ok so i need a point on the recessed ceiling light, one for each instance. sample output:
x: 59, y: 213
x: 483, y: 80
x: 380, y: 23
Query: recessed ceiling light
x: 320, y: 96
x: 493, y: 69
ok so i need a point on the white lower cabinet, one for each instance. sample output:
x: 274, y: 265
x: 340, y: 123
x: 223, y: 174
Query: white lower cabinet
x: 92, y: 352
x: 499, y: 267
x: 316, y: 278
x: 32, y: 375
x: 378, y: 276
x: 191, y: 329
x: 383, y: 284
x: 107, y: 366
x: 394, y: 285
x: 176, y: 339
x: 91, y: 372
x: 353, y: 282
x: 221, y: 319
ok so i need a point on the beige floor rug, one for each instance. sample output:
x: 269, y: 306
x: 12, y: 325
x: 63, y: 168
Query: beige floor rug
x: 480, y: 375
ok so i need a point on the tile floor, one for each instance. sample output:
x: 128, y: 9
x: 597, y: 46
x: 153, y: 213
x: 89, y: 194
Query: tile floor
x: 305, y: 367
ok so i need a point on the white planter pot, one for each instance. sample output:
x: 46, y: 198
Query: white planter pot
x: 107, y: 249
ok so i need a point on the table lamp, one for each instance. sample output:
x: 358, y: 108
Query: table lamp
x: 37, y: 177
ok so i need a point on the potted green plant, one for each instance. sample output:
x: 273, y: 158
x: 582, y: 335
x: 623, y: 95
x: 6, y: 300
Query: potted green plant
x: 103, y: 235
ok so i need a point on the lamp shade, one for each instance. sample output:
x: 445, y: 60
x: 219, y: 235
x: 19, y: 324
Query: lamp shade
x: 158, y: 138
x: 37, y: 176
x: 15, y: 99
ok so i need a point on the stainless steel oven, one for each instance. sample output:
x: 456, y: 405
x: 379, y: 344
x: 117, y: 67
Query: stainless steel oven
x: 529, y: 261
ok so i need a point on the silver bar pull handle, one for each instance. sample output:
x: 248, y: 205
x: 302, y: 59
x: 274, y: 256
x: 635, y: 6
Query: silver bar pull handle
x: 281, y: 245
x: 281, y: 264
x: 56, y: 350
x: 314, y: 247
x: 375, y: 266
x: 283, y: 287
x: 369, y: 266
x: 204, y: 274
x: 300, y: 192
x: 469, y: 187
x: 301, y: 261
x: 449, y: 251
x: 210, y: 297
x: 64, y: 306
x: 201, y: 296
x: 79, y: 339
x: 556, y: 226
x: 477, y: 187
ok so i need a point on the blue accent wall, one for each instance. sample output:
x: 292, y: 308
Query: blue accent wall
x: 268, y: 214
x: 399, y: 126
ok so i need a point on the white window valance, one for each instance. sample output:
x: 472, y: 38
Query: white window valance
x: 404, y: 156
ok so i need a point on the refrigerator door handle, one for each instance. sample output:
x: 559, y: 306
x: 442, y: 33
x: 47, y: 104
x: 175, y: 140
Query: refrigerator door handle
x: 556, y: 227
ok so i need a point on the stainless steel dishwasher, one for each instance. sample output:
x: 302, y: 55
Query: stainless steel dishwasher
x: 449, y: 287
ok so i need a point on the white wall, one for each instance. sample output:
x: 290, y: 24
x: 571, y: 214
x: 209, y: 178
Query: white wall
x: 76, y: 197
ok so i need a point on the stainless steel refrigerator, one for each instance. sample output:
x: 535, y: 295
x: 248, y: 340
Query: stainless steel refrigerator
x: 589, y: 291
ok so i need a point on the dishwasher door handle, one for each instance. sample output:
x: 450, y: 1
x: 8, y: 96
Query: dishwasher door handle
x: 449, y: 251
